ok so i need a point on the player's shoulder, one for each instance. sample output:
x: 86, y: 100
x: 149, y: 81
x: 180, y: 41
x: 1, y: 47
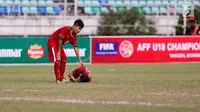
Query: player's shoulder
x: 82, y: 68
x: 67, y: 28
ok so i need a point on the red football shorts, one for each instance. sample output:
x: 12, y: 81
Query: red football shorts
x: 53, y: 51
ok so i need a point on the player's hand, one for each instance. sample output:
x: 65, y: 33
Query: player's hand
x: 76, y: 80
x: 58, y: 56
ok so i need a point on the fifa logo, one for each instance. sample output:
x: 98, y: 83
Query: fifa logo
x: 188, y: 10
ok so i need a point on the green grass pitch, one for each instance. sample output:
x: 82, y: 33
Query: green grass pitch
x: 114, y: 88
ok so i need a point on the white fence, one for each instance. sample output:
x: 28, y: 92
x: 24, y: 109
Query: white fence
x: 45, y: 25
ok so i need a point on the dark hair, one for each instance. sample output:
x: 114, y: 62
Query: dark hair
x: 84, y: 78
x: 79, y: 22
x: 192, y: 21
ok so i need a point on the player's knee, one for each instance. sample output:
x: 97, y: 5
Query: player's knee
x: 64, y: 61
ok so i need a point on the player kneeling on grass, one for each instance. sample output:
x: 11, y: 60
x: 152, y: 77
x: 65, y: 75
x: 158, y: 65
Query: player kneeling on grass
x: 80, y: 74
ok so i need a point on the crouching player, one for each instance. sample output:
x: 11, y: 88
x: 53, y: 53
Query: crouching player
x: 80, y: 74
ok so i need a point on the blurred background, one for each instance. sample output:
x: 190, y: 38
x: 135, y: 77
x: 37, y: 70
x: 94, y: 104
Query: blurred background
x: 136, y: 50
x: 125, y: 17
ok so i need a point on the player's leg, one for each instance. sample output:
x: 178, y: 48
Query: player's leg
x: 57, y: 70
x: 63, y: 65
x: 52, y: 52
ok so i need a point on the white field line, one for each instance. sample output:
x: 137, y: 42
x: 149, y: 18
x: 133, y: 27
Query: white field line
x: 34, y: 90
x: 136, y: 103
x: 6, y: 90
x: 104, y: 102
x: 29, y: 90
x: 149, y: 93
x: 173, y: 94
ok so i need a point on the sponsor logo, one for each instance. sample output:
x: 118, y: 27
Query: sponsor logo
x: 108, y: 48
x: 126, y: 49
x: 70, y: 52
x: 35, y: 51
x: 10, y: 53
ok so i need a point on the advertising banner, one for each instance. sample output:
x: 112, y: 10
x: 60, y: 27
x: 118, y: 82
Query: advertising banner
x: 145, y: 49
x: 34, y: 50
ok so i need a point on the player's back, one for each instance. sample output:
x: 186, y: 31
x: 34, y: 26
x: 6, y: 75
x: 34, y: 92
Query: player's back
x: 82, y: 70
x: 56, y: 33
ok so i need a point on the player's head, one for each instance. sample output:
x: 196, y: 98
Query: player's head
x: 191, y: 19
x: 84, y: 78
x: 77, y: 26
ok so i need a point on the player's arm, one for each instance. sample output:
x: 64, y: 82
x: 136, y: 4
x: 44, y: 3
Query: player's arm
x: 198, y: 31
x: 78, y: 55
x: 59, y: 46
x: 72, y: 78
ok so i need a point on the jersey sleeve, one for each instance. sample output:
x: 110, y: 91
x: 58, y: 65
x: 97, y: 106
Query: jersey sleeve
x: 63, y: 33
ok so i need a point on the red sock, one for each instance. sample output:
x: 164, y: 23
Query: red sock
x: 62, y: 69
x: 57, y: 70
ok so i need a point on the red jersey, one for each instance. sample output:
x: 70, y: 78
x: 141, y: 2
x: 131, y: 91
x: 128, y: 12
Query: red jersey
x: 82, y: 70
x: 65, y: 33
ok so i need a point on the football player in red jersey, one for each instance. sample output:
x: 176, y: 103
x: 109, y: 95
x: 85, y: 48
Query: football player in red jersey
x: 80, y: 74
x: 64, y: 35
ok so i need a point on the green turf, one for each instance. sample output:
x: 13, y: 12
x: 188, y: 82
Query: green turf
x: 61, y: 107
x: 147, y: 87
